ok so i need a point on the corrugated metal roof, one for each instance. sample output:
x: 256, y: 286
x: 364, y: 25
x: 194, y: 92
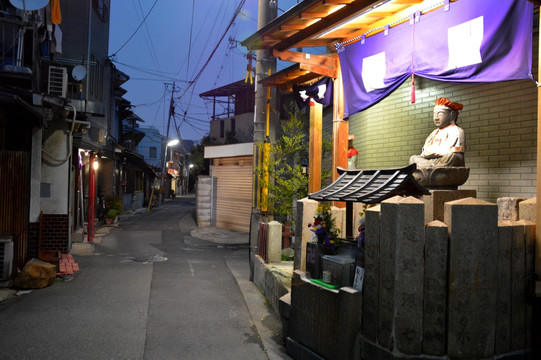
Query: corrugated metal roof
x: 371, y: 186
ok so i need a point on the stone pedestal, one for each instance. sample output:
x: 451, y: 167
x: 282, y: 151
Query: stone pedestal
x: 306, y: 209
x: 473, y: 278
x: 508, y: 208
x: 434, y: 203
x: 274, y: 245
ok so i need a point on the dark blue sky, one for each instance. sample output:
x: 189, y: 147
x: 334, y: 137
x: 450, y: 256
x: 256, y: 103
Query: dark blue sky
x: 159, y: 53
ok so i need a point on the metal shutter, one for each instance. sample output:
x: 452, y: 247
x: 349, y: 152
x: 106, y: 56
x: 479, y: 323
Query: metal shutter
x: 233, y: 192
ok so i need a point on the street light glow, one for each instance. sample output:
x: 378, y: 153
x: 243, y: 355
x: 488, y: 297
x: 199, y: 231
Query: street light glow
x: 172, y: 143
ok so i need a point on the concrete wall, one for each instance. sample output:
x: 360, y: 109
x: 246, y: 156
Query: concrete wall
x: 55, y: 173
x: 268, y: 282
x: 244, y: 127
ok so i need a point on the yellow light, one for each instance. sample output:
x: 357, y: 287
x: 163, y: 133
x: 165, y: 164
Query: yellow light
x: 95, y: 164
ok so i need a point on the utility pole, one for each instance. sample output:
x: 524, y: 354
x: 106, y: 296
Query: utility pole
x: 171, y: 113
x: 265, y: 62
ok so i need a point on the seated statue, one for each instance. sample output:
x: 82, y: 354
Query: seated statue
x: 443, y: 148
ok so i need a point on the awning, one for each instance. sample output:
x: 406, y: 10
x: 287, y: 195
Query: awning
x: 139, y: 161
x: 371, y: 186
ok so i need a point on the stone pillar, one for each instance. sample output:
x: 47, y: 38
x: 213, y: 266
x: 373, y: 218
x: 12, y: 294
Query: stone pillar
x: 371, y: 275
x: 274, y: 242
x: 522, y: 251
x: 339, y: 215
x: 503, y: 316
x: 306, y: 209
x: 435, y: 288
x: 508, y: 208
x: 387, y: 273
x: 528, y: 211
x: 436, y: 200
x: 409, y: 243
x: 473, y: 268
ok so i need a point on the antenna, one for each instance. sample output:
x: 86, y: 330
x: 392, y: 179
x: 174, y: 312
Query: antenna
x: 29, y: 5
x: 78, y: 72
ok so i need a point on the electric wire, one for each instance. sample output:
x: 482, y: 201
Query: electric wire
x: 149, y: 42
x: 190, y: 84
x: 135, y: 32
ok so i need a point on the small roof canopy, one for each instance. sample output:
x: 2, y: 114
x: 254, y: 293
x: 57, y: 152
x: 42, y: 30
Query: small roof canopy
x: 371, y: 186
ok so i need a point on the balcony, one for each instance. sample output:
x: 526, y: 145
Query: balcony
x: 16, y: 52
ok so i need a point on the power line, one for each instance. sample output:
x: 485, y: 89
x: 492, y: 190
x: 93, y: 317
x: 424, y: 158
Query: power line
x: 141, y: 24
x: 148, y: 39
x: 241, y: 4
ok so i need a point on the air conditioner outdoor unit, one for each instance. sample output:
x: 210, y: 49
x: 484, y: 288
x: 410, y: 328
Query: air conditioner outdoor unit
x: 58, y: 81
x: 6, y: 257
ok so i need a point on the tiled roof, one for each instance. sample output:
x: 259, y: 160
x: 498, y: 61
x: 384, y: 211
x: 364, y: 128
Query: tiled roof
x: 371, y: 186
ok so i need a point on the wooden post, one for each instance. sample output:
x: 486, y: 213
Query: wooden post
x: 538, y: 193
x: 91, y: 197
x: 316, y: 115
x: 340, y: 131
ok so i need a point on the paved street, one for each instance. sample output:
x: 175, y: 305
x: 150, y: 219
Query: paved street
x: 149, y: 290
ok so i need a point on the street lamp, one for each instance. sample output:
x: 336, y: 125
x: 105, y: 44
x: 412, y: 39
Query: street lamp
x: 169, y: 144
x: 188, y: 180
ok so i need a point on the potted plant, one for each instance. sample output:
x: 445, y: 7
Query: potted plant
x: 111, y: 216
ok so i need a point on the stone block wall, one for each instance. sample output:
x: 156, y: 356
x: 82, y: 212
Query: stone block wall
x: 203, y: 206
x: 453, y: 289
x: 323, y: 320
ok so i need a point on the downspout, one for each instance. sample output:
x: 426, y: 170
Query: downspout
x: 89, y: 38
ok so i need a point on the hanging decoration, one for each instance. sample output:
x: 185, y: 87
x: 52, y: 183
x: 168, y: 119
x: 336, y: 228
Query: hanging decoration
x: 458, y: 42
x: 249, y: 68
x: 321, y: 92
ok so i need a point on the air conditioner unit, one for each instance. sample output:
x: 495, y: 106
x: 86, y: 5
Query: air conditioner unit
x: 58, y: 81
x: 6, y: 257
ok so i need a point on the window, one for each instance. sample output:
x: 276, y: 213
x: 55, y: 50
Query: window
x: 139, y: 181
x: 222, y: 129
x: 152, y: 152
x: 233, y: 125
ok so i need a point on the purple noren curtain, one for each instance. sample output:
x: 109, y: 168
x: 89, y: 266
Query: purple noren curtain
x: 474, y: 41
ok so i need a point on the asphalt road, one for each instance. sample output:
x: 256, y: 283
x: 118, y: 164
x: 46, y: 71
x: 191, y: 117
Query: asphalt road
x: 149, y: 290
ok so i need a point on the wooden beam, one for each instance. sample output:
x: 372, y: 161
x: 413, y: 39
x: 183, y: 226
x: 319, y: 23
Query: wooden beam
x: 324, y: 24
x: 287, y: 27
x: 321, y: 70
x: 305, y: 58
x: 312, y: 15
x: 336, y: 2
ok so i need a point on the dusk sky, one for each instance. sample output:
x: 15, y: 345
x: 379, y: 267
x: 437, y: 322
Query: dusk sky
x: 159, y: 54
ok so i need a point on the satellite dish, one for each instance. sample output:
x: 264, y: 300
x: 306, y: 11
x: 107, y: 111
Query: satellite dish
x: 78, y: 72
x: 29, y: 5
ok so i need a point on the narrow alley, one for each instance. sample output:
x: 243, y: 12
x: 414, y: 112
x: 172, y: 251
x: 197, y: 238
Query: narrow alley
x: 149, y: 290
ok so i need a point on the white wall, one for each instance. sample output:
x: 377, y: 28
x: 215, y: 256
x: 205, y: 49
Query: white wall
x: 55, y: 173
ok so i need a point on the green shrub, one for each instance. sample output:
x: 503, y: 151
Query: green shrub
x: 113, y: 202
x: 111, y: 214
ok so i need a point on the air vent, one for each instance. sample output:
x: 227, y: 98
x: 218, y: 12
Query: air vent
x: 58, y: 81
x: 6, y: 257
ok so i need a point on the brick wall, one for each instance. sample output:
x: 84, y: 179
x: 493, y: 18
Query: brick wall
x: 499, y: 119
x: 55, y: 232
